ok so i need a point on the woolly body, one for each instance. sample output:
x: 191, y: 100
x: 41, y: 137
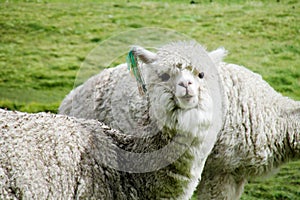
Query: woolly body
x: 181, y: 104
x: 46, y: 156
x: 260, y: 131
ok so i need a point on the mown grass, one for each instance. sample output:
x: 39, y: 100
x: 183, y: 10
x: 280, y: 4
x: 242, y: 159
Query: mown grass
x: 43, y: 44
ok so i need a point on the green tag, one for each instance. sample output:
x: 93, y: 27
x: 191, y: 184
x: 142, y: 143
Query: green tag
x: 133, y: 67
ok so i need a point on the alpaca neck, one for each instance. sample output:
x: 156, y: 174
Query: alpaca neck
x: 190, y: 128
x: 185, y: 154
x: 178, y: 178
x: 182, y: 175
x: 187, y: 130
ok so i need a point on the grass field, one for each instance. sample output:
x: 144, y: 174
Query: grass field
x: 43, y: 44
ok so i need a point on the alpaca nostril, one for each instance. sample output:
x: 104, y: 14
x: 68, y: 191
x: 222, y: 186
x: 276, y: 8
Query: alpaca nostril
x: 182, y: 84
x: 185, y: 84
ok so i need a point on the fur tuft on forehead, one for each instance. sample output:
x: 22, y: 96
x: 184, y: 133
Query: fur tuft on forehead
x: 181, y: 55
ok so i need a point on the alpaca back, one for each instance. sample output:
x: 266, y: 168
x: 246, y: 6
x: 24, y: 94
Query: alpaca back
x: 113, y: 98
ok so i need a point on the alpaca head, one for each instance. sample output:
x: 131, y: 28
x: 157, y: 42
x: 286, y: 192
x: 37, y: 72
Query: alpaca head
x: 175, y: 82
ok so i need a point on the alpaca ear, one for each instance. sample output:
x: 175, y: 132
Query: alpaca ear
x: 143, y: 55
x: 218, y: 55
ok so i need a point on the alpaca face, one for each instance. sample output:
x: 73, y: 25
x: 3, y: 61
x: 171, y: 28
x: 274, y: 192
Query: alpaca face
x: 187, y: 89
x: 182, y: 84
x: 178, y: 95
x: 177, y: 89
x: 167, y: 73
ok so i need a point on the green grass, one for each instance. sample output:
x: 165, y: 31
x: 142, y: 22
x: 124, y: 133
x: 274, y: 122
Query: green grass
x: 284, y: 185
x: 42, y: 46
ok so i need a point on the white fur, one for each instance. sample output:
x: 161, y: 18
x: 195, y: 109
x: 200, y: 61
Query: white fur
x: 181, y: 103
x: 261, y: 132
x: 170, y: 106
x: 255, y: 115
x: 187, y: 89
x: 190, y: 116
x: 218, y: 55
x: 46, y: 156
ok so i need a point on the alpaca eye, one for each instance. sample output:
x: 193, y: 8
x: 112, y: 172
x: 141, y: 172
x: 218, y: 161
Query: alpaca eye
x: 201, y: 75
x: 164, y: 77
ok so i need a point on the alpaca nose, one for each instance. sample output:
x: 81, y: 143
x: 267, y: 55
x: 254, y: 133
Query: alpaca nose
x: 185, y: 84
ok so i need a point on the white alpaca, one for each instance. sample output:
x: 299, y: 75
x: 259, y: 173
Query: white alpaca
x: 46, y: 156
x: 70, y: 158
x: 260, y: 130
x: 180, y: 101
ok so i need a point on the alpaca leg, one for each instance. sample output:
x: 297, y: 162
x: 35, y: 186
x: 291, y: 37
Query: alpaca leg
x: 220, y: 186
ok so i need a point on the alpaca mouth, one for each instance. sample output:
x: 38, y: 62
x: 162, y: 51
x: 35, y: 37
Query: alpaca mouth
x: 187, y: 101
x: 187, y: 97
